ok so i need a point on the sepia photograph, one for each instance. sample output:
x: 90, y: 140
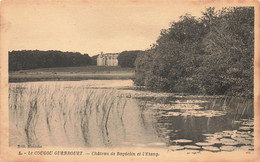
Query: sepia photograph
x: 143, y: 80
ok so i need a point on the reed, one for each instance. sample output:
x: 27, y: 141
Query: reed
x: 63, y: 114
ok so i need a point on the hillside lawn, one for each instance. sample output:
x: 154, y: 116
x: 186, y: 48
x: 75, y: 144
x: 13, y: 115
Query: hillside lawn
x: 72, y: 73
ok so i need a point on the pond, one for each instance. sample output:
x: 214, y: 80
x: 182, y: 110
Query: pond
x: 114, y: 113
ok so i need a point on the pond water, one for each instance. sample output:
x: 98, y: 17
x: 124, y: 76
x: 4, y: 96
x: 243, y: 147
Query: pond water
x: 113, y: 113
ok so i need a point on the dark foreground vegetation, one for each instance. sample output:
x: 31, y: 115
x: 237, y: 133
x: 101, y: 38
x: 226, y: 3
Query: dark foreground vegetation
x: 213, y: 54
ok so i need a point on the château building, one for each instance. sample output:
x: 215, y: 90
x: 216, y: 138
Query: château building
x: 107, y: 59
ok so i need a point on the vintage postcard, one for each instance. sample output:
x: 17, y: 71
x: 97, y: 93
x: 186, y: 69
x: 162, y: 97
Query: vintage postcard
x: 133, y: 80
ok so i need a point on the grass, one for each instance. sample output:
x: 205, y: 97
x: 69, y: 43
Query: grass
x: 72, y: 73
x: 237, y: 107
x: 91, y: 69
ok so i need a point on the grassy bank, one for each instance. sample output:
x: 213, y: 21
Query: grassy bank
x: 72, y: 73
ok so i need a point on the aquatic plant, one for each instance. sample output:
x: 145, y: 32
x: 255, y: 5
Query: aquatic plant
x: 60, y: 113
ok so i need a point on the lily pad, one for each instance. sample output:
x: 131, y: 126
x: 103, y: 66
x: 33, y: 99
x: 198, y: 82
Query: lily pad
x: 244, y: 136
x: 218, y: 136
x: 201, y: 115
x: 245, y: 128
x: 226, y: 140
x: 244, y: 141
x: 189, y: 101
x: 244, y: 119
x: 228, y: 132
x: 248, y: 124
x: 209, y: 115
x: 234, y: 136
x: 230, y: 143
x: 241, y: 132
x: 182, y: 141
x: 208, y: 135
x: 186, y: 107
x: 210, y: 138
x: 173, y: 114
x: 227, y: 148
x: 215, y: 141
x: 211, y: 148
x: 204, y: 143
x: 236, y: 122
x: 219, y: 133
x: 227, y: 136
x: 250, y: 138
x: 192, y: 147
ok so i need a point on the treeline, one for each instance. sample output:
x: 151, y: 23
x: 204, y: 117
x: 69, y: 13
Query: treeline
x: 31, y: 59
x: 213, y: 54
x: 127, y: 58
x: 94, y: 59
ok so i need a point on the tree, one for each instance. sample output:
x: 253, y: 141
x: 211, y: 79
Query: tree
x: 230, y: 48
x: 211, y: 55
x: 31, y: 59
x: 127, y: 58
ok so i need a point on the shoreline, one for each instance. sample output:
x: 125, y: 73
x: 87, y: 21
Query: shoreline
x: 67, y: 76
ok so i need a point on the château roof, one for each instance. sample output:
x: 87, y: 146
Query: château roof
x: 109, y: 54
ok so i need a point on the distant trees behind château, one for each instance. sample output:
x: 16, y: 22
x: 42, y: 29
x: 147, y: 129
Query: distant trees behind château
x: 127, y: 58
x: 32, y: 59
x: 213, y: 54
x: 94, y: 60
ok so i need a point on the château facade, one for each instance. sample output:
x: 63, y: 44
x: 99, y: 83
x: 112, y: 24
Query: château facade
x: 108, y: 59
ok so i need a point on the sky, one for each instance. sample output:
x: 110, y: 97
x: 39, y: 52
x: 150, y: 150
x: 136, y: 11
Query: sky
x: 90, y: 27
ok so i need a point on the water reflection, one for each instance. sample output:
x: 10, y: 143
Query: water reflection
x: 201, y: 123
x: 94, y: 114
